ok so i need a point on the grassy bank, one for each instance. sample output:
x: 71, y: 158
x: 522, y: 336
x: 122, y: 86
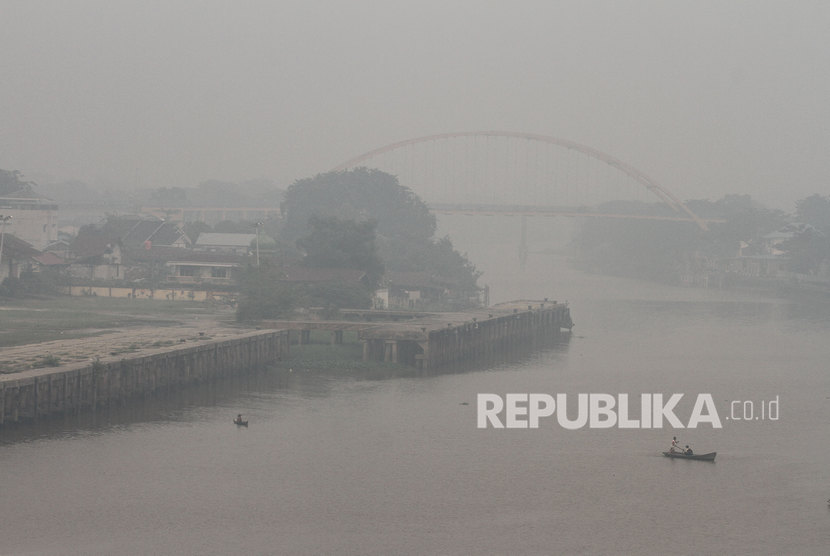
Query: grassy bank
x: 31, y: 321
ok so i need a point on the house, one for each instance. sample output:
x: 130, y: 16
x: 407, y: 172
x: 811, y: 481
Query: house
x: 225, y: 243
x: 15, y: 256
x: 410, y: 290
x: 773, y: 242
x: 753, y: 266
x: 146, y: 232
x: 34, y: 219
x: 112, y: 250
x: 61, y: 247
x: 48, y: 259
x: 96, y: 255
x: 187, y: 266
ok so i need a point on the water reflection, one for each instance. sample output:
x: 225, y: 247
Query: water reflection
x: 336, y: 463
x: 252, y: 389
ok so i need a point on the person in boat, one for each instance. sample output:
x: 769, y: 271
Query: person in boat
x: 238, y: 418
x: 688, y: 451
x: 675, y: 446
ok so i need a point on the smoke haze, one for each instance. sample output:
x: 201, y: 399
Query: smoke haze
x: 708, y: 98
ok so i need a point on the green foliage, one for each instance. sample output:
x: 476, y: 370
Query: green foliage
x: 11, y: 182
x: 745, y: 222
x: 807, y: 251
x: 438, y: 258
x: 31, y: 283
x: 658, y: 250
x: 216, y: 193
x: 263, y: 294
x: 334, y: 296
x: 336, y: 243
x: 171, y: 196
x: 650, y: 249
x: 815, y: 211
x: 404, y: 230
x: 359, y: 195
x: 266, y: 243
x: 48, y: 361
x: 229, y: 194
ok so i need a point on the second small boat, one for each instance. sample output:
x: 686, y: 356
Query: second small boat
x: 702, y: 457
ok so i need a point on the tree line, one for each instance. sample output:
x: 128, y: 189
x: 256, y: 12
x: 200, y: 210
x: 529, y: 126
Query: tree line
x: 663, y: 250
x: 359, y: 219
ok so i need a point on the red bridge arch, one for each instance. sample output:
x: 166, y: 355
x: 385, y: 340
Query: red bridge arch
x: 663, y: 194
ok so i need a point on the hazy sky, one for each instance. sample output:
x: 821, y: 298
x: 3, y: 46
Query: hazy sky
x: 706, y: 97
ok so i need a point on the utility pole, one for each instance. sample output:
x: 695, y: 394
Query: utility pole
x: 523, y: 244
x: 258, y: 224
x: 5, y: 219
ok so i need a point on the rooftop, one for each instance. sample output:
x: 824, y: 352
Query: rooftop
x: 224, y: 240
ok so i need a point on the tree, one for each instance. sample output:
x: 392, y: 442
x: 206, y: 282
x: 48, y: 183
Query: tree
x: 359, y: 194
x: 807, y: 250
x: 404, y: 225
x: 337, y: 243
x: 11, y: 183
x: 662, y: 249
x: 263, y: 294
x: 173, y: 196
x: 438, y: 258
x: 810, y: 247
x: 815, y: 210
x: 333, y: 296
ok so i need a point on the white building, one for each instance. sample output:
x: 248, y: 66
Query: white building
x: 33, y: 219
x: 225, y: 243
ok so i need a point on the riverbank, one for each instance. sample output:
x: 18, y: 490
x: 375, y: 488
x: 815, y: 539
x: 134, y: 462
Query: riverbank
x: 109, y: 365
x: 63, y: 331
x: 102, y: 382
x: 37, y: 320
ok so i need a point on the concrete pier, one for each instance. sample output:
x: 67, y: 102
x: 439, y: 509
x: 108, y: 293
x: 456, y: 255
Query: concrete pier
x: 36, y: 393
x: 446, y: 338
x: 431, y: 340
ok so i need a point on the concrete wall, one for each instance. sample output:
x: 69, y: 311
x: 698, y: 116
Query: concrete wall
x: 487, y: 337
x: 171, y: 294
x: 34, y: 394
x: 479, y: 338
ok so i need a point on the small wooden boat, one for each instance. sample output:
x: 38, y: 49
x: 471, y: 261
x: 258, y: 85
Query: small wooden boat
x: 702, y: 457
x: 240, y: 423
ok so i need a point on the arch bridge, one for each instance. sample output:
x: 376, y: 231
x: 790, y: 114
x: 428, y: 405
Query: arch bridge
x: 504, y: 172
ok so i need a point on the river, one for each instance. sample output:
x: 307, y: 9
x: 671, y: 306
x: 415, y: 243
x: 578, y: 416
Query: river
x: 333, y: 465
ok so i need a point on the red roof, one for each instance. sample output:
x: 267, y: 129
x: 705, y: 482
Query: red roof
x: 49, y: 259
x: 13, y: 246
